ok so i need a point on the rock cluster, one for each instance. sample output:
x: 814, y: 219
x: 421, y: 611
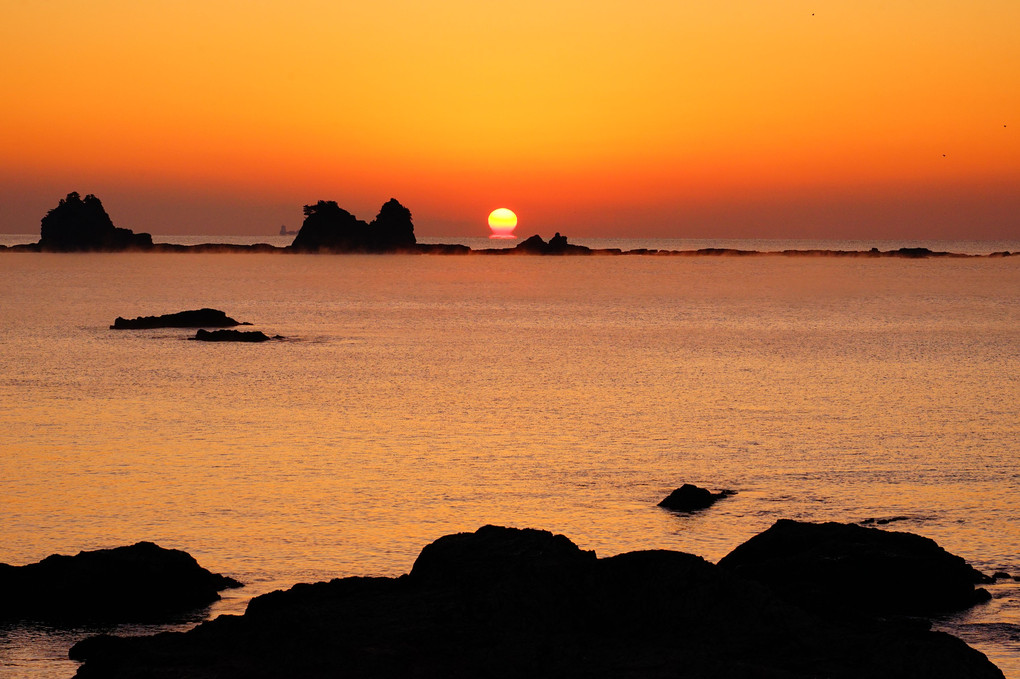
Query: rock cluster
x: 329, y: 228
x: 557, y: 245
x: 503, y: 602
x: 142, y: 582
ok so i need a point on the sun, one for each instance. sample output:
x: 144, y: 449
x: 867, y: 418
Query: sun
x: 502, y: 222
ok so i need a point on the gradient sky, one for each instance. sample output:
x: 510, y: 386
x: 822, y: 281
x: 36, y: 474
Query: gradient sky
x: 736, y: 118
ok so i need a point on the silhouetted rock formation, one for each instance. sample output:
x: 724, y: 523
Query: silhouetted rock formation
x: 143, y: 582
x: 689, y: 498
x: 493, y: 552
x: 231, y: 336
x: 392, y: 228
x: 330, y: 228
x: 195, y: 318
x: 503, y: 602
x: 78, y: 224
x: 533, y: 244
x: 850, y: 568
x: 557, y: 245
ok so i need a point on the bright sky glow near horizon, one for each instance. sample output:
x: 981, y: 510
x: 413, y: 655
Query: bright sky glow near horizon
x: 825, y: 119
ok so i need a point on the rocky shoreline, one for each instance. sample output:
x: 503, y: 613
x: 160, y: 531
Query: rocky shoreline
x: 138, y: 583
x: 796, y: 601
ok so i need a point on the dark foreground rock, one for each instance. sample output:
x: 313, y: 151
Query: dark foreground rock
x: 232, y: 336
x: 143, y: 582
x: 689, y: 498
x: 853, y: 569
x: 503, y: 602
x: 196, y: 318
x: 79, y: 224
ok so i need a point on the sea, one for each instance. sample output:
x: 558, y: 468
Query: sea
x: 416, y: 396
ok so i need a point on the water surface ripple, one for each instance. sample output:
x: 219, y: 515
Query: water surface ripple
x: 419, y: 396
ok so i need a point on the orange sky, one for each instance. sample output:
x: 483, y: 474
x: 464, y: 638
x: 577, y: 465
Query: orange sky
x: 739, y: 118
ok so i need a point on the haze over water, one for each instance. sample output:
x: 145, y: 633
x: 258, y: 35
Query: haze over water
x: 417, y: 396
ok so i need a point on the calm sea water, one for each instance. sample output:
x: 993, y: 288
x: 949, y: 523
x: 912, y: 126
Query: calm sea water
x: 420, y: 396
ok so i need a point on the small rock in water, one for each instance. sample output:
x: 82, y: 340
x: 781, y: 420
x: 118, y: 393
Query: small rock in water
x: 689, y: 498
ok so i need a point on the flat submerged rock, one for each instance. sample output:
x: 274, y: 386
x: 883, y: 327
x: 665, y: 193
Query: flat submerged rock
x: 505, y: 602
x: 232, y: 336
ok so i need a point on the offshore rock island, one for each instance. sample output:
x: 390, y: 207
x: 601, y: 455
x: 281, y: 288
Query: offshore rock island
x: 82, y: 225
x: 194, y: 318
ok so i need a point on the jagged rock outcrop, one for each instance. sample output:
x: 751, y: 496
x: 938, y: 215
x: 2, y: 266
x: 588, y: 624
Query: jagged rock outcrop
x: 142, y: 582
x: 504, y: 603
x: 195, y: 318
x: 392, y: 228
x: 533, y: 244
x: 689, y: 498
x: 232, y: 336
x: 79, y: 224
x: 557, y: 245
x: 330, y: 228
x: 850, y: 568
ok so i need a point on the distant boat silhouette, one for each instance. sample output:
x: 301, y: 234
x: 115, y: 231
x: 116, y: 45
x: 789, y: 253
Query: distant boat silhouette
x: 285, y: 232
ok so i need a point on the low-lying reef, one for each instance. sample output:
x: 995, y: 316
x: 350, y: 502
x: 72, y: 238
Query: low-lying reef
x: 232, y: 336
x: 506, y: 602
x: 194, y: 318
x: 141, y: 582
x: 82, y: 225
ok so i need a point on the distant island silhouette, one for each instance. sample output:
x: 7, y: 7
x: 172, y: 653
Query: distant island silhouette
x: 193, y: 318
x: 330, y: 228
x: 82, y: 225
